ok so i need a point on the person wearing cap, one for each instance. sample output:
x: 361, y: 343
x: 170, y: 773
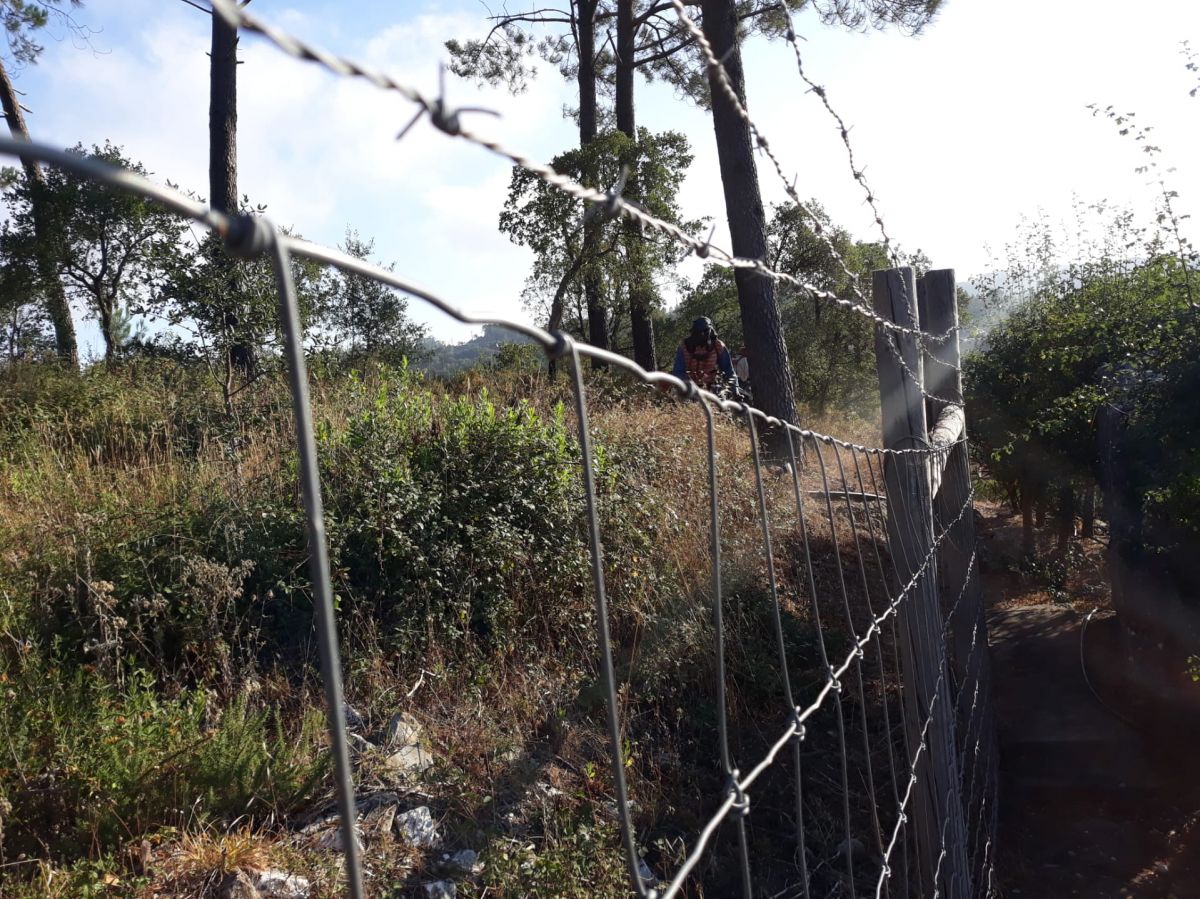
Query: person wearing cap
x: 704, y: 359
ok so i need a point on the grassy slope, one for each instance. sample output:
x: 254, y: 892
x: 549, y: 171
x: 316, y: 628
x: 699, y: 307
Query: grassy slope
x: 160, y: 695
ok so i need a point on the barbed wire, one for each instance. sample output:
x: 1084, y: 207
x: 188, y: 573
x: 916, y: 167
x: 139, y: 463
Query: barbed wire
x: 721, y: 75
x: 856, y: 172
x: 447, y: 119
x: 800, y: 716
x: 251, y: 236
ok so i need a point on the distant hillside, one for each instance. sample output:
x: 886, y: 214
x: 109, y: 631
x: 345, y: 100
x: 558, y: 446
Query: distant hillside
x: 447, y: 358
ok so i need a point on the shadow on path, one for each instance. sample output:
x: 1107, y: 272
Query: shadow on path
x: 1090, y: 804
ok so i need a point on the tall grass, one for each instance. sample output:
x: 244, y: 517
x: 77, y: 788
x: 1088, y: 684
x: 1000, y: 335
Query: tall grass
x: 156, y: 625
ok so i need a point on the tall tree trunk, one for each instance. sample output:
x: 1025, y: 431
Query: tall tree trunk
x: 105, y: 308
x: 585, y: 11
x: 640, y: 287
x: 222, y: 170
x: 761, y: 322
x: 1028, y: 541
x: 56, y: 296
x: 222, y: 118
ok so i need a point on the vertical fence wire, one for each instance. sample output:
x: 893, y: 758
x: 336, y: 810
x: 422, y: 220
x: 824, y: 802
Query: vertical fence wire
x: 251, y: 236
x: 318, y: 551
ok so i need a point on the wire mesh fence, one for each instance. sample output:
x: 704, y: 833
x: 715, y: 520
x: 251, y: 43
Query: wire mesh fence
x: 875, y: 773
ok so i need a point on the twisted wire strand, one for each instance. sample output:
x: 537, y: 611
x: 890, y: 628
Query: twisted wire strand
x: 800, y: 716
x: 250, y: 235
x: 447, y: 120
x: 845, y: 762
x: 909, y: 849
x: 856, y: 172
x: 883, y: 673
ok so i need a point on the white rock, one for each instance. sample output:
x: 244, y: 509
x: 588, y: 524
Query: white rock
x: 405, y: 738
x: 441, y: 889
x: 416, y: 827
x: 550, y: 792
x: 403, y: 730
x: 354, y: 721
x: 412, y: 759
x: 281, y: 885
x: 464, y: 861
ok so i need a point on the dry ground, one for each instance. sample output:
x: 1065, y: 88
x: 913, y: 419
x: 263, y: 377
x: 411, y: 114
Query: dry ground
x: 1098, y: 792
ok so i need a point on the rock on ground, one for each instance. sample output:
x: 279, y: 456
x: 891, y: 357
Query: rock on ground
x: 464, y: 861
x: 417, y: 828
x: 404, y: 739
x: 281, y: 885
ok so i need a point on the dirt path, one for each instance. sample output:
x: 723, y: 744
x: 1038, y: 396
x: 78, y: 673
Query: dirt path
x: 1095, y: 801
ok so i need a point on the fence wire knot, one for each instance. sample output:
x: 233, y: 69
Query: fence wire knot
x: 249, y: 236
x: 835, y: 681
x: 560, y: 347
x: 741, y: 800
x: 801, y: 732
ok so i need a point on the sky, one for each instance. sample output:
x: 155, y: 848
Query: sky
x: 963, y: 130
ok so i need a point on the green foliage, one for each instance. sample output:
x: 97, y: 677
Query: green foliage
x: 110, y: 247
x: 140, y: 411
x: 565, y: 252
x: 22, y: 19
x: 90, y: 765
x: 518, y: 357
x: 218, y: 302
x: 451, y: 519
x: 448, y: 358
x: 504, y: 59
x: 25, y: 327
x: 1113, y: 331
x: 580, y: 858
x: 366, y: 319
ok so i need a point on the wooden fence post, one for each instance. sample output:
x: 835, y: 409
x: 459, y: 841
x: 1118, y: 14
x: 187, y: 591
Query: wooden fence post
x: 938, y: 308
x: 937, y: 811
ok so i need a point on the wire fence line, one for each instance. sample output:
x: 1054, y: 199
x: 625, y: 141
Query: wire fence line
x: 447, y: 118
x: 897, y: 768
x: 252, y: 236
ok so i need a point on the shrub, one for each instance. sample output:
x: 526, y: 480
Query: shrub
x: 453, y: 519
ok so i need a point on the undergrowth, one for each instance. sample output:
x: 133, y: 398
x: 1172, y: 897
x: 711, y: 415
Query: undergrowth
x: 157, y: 661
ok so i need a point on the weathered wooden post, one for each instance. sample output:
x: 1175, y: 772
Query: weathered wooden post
x: 937, y: 810
x: 962, y: 590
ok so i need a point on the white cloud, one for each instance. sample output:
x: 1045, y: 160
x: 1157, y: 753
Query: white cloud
x: 962, y: 130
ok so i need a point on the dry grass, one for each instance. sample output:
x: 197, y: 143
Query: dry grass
x: 506, y: 728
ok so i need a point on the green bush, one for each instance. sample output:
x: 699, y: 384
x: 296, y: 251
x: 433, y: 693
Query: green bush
x: 452, y: 519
